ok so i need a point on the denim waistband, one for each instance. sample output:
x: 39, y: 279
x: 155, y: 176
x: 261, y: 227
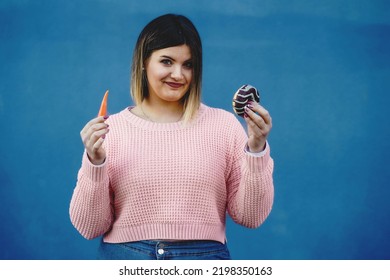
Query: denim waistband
x: 163, y: 249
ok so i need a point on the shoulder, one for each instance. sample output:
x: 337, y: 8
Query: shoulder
x: 226, y: 128
x: 119, y: 116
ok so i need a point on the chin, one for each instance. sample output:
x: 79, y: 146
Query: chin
x: 173, y: 97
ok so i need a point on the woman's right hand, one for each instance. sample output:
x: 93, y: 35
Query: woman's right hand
x: 93, y: 135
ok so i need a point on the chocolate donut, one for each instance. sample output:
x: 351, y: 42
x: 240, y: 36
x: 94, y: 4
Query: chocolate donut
x: 242, y: 96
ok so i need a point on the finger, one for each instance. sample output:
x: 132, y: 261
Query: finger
x: 85, y: 135
x: 261, y: 111
x: 96, y: 135
x: 256, y: 125
x: 253, y: 128
x: 93, y: 122
x: 255, y: 118
x: 98, y: 144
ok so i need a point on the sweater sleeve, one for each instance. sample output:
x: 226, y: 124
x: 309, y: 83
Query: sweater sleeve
x: 250, y: 184
x: 91, y: 211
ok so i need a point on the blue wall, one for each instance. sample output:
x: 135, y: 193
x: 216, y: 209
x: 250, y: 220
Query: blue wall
x: 323, y: 71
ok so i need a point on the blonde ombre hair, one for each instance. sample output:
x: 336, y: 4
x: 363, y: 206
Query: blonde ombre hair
x: 163, y: 32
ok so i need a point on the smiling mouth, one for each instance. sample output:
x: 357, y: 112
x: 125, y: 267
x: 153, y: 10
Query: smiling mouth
x: 174, y: 85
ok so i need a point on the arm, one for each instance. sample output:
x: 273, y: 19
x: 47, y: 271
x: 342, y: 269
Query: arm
x: 91, y: 210
x: 250, y: 185
x: 251, y: 189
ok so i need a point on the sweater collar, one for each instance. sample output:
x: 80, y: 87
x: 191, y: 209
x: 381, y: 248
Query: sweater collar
x: 149, y: 125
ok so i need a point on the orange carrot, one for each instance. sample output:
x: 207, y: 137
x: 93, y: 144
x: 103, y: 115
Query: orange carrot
x: 103, y: 106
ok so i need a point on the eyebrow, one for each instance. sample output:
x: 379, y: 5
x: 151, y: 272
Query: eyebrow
x: 166, y: 56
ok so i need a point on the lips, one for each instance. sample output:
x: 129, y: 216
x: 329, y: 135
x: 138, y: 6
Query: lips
x: 174, y: 85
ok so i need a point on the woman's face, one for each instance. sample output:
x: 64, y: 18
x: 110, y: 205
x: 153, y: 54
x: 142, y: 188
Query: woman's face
x: 169, y: 73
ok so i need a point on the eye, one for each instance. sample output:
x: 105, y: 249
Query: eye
x: 166, y: 61
x: 188, y: 65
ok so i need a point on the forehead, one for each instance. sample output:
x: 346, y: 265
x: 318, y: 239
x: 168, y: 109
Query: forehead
x: 181, y: 52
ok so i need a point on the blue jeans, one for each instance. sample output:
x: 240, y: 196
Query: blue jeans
x: 163, y: 250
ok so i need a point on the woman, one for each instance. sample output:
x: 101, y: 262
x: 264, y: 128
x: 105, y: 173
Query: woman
x: 158, y: 178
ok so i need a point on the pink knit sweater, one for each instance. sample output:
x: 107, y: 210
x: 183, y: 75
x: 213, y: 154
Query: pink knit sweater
x: 172, y: 180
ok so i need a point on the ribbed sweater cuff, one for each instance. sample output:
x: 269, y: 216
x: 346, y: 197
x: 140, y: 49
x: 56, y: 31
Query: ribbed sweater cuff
x: 96, y: 173
x: 258, y: 164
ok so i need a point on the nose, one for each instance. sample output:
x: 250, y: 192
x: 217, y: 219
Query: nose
x: 177, y: 73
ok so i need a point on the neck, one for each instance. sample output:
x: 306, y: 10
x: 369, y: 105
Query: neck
x: 162, y: 113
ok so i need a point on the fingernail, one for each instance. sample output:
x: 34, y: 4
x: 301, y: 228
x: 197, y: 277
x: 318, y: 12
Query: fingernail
x: 106, y: 117
x: 104, y: 136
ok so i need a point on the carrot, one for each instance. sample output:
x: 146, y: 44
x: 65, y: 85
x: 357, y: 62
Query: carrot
x: 103, y: 106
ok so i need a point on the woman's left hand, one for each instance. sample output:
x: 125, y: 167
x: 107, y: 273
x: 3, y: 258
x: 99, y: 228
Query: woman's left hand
x: 259, y: 124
